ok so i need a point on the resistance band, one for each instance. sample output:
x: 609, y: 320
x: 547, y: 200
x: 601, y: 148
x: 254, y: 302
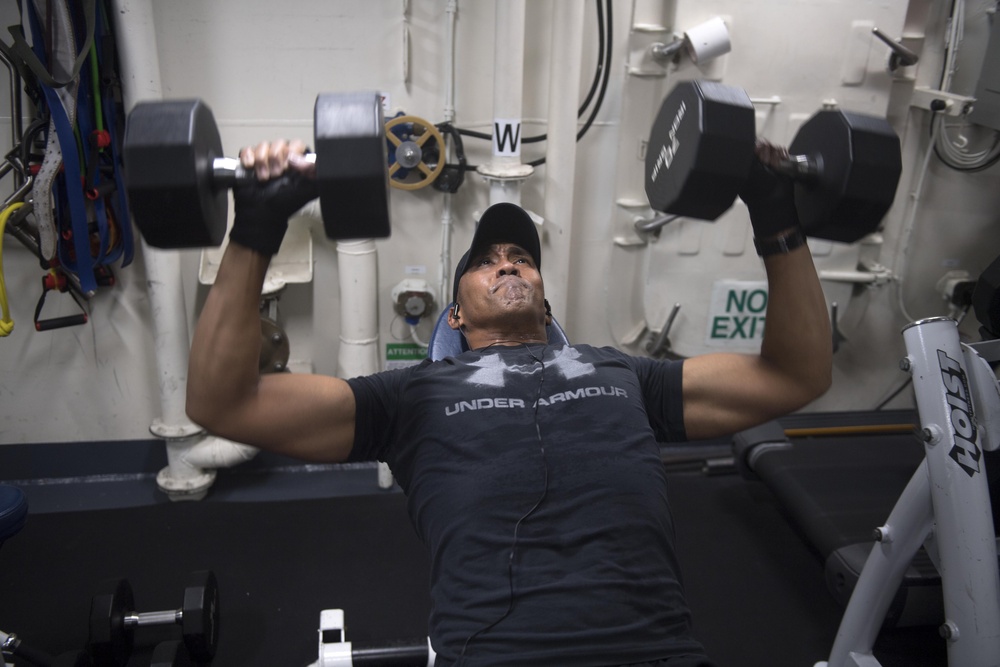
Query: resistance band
x: 6, y: 323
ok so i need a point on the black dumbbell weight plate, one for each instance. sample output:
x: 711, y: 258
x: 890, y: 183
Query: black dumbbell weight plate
x: 200, y: 615
x: 111, y: 640
x: 700, y: 149
x: 169, y: 151
x: 351, y: 165
x: 859, y: 163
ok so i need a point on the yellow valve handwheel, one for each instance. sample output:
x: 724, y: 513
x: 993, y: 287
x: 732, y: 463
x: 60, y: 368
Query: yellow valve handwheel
x: 411, y: 151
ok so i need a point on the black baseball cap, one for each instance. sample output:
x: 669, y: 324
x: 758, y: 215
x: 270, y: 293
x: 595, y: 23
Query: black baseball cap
x: 501, y: 223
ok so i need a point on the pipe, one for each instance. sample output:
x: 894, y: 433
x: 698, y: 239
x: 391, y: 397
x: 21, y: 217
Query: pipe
x: 447, y: 227
x: 451, y: 12
x: 505, y: 173
x: 188, y: 450
x: 447, y: 219
x: 357, y: 276
x: 560, y: 155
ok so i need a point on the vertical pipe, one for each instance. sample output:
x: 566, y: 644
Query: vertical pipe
x: 560, y: 156
x: 506, y: 172
x: 356, y: 275
x: 141, y: 80
x: 447, y: 220
x: 140, y: 68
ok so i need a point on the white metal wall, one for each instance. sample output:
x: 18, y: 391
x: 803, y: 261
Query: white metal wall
x: 260, y: 64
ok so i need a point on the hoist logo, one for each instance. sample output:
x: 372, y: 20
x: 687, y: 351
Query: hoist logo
x: 669, y: 149
x: 966, y: 452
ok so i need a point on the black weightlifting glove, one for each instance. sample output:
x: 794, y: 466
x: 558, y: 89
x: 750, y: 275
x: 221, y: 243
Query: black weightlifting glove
x: 769, y: 196
x: 263, y: 208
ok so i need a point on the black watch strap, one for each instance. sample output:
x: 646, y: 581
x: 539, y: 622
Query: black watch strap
x: 780, y: 245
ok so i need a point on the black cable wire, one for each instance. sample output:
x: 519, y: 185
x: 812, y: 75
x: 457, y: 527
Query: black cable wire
x: 602, y: 73
x: 602, y: 62
x: 598, y: 75
x: 600, y: 94
x: 944, y: 159
x: 604, y: 82
x: 534, y: 508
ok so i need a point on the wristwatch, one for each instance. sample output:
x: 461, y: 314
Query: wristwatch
x: 781, y: 244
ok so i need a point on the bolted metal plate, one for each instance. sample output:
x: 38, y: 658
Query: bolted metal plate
x: 351, y: 165
x: 168, y: 152
x: 859, y: 167
x: 200, y: 615
x: 700, y: 149
x: 110, y: 639
x: 274, y: 347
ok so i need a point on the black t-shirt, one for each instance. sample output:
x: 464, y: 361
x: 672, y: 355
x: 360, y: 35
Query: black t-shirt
x: 534, y: 478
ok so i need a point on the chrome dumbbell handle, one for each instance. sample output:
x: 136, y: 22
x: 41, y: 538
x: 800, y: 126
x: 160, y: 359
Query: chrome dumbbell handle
x: 154, y: 618
x: 227, y: 171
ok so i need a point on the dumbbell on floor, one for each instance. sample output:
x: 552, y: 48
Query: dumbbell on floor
x: 113, y: 620
x: 177, y: 178
x: 846, y: 165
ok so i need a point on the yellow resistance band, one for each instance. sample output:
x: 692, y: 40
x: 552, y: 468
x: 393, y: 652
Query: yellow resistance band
x: 6, y: 323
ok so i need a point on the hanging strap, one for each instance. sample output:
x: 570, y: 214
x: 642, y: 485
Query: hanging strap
x: 108, y: 78
x: 42, y: 193
x: 54, y: 19
x: 83, y: 265
x: 61, y: 103
x: 22, y: 50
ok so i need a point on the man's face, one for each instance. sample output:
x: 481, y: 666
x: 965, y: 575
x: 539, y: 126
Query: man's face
x: 501, y: 284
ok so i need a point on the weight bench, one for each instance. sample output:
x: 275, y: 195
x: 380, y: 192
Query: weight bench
x: 447, y: 342
x: 13, y: 511
x: 837, y: 489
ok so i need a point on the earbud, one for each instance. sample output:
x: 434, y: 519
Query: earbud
x: 548, y: 308
x: 454, y: 311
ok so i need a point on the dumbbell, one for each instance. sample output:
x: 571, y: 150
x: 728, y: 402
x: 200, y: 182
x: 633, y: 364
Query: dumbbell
x: 113, y: 620
x: 177, y: 178
x: 846, y: 165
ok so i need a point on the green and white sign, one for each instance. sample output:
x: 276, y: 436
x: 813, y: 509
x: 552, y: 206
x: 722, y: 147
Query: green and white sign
x: 401, y: 355
x: 736, y: 313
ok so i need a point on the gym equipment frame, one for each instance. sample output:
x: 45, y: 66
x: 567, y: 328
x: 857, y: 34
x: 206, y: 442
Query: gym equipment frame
x: 945, y: 507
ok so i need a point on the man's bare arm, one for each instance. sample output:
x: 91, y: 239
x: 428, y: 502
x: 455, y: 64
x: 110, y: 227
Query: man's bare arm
x: 305, y: 416
x: 726, y: 393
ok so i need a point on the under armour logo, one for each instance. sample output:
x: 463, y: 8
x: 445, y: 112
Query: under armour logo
x: 491, y: 369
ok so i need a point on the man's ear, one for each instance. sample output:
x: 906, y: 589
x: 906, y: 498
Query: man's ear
x: 454, y: 321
